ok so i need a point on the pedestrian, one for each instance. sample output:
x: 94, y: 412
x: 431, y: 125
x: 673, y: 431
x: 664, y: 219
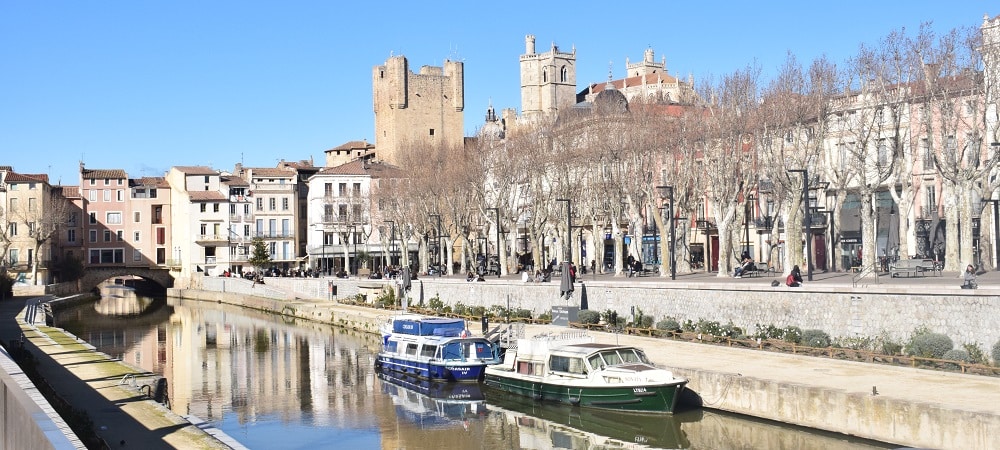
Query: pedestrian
x: 969, y: 278
x: 794, y: 278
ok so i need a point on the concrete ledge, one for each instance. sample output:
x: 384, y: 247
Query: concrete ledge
x: 27, y: 420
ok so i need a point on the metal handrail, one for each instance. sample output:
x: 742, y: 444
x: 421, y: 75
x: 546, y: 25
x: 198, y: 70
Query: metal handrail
x: 868, y: 270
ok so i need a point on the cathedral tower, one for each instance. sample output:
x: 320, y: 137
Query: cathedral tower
x: 548, y: 80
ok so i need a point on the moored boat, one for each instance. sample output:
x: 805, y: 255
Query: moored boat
x: 434, y: 348
x: 571, y: 368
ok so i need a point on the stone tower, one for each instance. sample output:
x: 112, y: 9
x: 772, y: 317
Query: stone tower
x: 548, y: 80
x: 417, y: 109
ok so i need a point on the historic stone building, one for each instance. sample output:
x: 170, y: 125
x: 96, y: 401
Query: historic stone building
x: 548, y: 80
x: 646, y: 81
x: 422, y: 108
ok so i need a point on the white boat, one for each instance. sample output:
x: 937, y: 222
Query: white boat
x: 434, y: 348
x: 571, y: 368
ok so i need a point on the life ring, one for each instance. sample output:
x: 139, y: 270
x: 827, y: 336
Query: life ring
x: 465, y: 333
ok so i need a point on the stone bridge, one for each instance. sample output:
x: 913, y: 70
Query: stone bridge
x: 93, y: 276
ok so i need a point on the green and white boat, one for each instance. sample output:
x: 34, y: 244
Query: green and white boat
x: 571, y: 368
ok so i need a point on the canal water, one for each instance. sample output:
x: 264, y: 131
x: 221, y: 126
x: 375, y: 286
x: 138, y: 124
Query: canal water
x: 272, y: 382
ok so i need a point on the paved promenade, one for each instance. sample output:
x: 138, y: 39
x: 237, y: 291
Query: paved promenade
x: 912, y: 407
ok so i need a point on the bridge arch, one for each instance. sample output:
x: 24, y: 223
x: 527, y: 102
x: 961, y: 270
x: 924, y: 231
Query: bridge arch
x: 93, y: 276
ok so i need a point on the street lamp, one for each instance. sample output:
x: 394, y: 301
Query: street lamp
x: 499, y: 255
x: 747, y: 215
x: 569, y: 228
x: 807, y: 223
x: 351, y: 262
x: 439, y: 253
x: 669, y: 190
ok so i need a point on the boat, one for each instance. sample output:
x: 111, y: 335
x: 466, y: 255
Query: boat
x: 571, y: 368
x: 433, y: 404
x: 434, y: 348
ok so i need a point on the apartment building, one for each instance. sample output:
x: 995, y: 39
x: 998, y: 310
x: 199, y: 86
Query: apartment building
x: 148, y: 223
x: 199, y: 218
x: 27, y: 225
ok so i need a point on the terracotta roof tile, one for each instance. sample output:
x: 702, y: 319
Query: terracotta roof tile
x: 360, y: 167
x: 99, y: 174
x: 206, y: 196
x: 14, y: 177
x: 196, y: 170
x: 351, y: 145
x: 233, y: 180
x: 270, y: 172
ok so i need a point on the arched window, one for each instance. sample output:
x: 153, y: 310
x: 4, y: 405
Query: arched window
x: 564, y: 74
x: 545, y: 76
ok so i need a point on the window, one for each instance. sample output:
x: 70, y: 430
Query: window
x: 431, y: 132
x: 107, y: 195
x: 260, y: 204
x: 342, y: 190
x: 203, y: 207
x: 107, y: 235
x: 215, y: 207
x: 114, y: 218
x: 161, y: 236
x: 13, y: 204
x: 246, y: 230
x: 284, y: 204
x: 13, y: 257
x: 284, y: 227
x: 883, y: 152
x: 204, y: 229
x: 13, y: 186
x: 121, y: 195
x: 564, y: 74
x: 930, y: 202
x: 272, y: 227
x: 32, y: 204
x: 136, y: 255
x: 93, y: 195
x: 93, y: 182
x: 107, y: 182
x: 135, y: 217
x: 927, y: 154
x: 328, y: 189
x: 272, y: 203
x: 135, y: 236
x: 93, y: 218
x: 12, y: 228
x: 357, y: 189
x: 70, y: 235
x: 72, y: 218
x: 152, y: 192
x: 93, y: 235
x: 158, y: 214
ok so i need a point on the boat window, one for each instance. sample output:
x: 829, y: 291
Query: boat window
x: 428, y: 351
x: 611, y: 358
x: 566, y: 364
x: 530, y: 368
x: 595, y: 361
x: 452, y: 351
x: 411, y: 349
x: 390, y: 346
x: 629, y: 356
x: 642, y: 356
x: 483, y: 350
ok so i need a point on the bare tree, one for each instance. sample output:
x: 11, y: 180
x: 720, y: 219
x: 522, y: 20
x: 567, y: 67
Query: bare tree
x: 44, y: 218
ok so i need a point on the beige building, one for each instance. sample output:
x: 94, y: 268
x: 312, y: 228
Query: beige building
x: 148, y: 224
x: 25, y: 215
x: 423, y: 108
x: 646, y: 81
x: 200, y: 221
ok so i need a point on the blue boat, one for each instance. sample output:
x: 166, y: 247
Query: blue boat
x: 434, y: 348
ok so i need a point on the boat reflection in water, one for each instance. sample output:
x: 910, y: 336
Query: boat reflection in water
x: 542, y: 425
x: 433, y: 404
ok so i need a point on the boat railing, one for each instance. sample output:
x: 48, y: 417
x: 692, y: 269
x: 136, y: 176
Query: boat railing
x: 563, y: 336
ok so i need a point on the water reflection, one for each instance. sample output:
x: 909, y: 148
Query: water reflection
x: 271, y: 382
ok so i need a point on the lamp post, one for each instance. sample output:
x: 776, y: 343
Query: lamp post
x: 669, y: 190
x: 569, y: 228
x: 807, y: 223
x: 351, y: 261
x: 499, y: 255
x: 439, y: 253
x: 747, y: 214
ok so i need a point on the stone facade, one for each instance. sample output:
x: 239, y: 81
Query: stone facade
x: 422, y: 108
x: 548, y: 80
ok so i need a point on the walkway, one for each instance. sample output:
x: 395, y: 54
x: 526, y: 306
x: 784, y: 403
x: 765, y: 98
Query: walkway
x: 89, y: 381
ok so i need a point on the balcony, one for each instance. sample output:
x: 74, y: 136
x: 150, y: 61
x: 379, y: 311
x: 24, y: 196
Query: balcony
x: 210, y: 238
x: 274, y: 235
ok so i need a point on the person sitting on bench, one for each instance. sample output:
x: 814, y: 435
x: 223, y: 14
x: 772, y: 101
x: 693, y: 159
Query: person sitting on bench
x: 745, y: 266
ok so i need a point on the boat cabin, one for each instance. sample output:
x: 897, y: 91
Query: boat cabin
x: 578, y: 360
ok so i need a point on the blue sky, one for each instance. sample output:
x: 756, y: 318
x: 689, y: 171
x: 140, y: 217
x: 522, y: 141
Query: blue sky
x: 146, y: 85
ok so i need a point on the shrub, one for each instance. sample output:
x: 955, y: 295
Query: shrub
x: 589, y: 317
x: 815, y: 338
x: 996, y: 353
x: 668, y: 324
x: 976, y: 355
x: 435, y: 303
x: 929, y: 345
x: 460, y: 309
x: 955, y: 354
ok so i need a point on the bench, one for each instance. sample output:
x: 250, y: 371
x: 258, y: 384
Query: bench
x: 913, y: 267
x: 758, y: 271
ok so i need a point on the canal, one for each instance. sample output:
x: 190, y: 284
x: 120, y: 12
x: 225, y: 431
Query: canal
x: 273, y: 382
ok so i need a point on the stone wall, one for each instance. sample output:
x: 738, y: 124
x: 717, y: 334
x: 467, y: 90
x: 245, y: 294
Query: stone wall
x: 890, y: 312
x: 27, y: 420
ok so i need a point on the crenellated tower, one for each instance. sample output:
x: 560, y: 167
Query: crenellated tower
x: 417, y: 109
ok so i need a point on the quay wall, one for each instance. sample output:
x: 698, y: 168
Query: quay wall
x: 966, y: 316
x: 27, y: 420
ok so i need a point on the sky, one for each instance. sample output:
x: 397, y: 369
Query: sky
x: 146, y: 85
